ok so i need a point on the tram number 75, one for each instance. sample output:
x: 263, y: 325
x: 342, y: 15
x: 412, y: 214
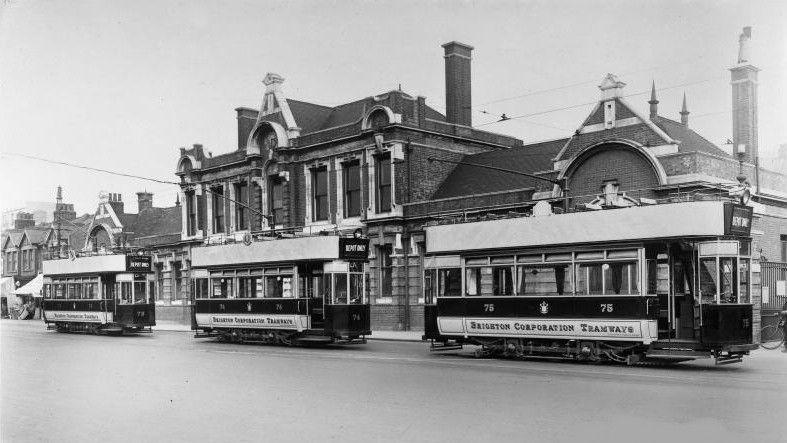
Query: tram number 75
x: 606, y: 307
x: 489, y: 307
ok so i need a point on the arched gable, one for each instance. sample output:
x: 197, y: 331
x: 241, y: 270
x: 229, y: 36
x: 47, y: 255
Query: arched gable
x: 630, y: 166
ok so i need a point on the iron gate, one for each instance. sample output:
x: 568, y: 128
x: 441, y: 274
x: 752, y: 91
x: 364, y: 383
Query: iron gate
x: 774, y: 285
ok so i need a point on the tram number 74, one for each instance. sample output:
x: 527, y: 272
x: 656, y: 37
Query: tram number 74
x: 606, y: 307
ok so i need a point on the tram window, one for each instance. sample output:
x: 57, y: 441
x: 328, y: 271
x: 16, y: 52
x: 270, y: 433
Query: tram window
x: 620, y: 278
x: 59, y: 290
x: 278, y: 286
x: 91, y: 291
x: 450, y: 281
x: 590, y: 279
x: 728, y: 279
x: 743, y: 280
x: 356, y: 289
x: 708, y: 279
x: 140, y: 292
x: 79, y: 291
x: 340, y: 288
x: 502, y: 281
x: 201, y: 288
x: 327, y: 285
x: 72, y: 290
x: 222, y: 287
x: 125, y: 291
x: 473, y: 281
x: 246, y: 287
x: 544, y: 280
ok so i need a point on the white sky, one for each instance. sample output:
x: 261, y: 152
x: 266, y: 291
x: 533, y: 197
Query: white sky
x: 122, y: 84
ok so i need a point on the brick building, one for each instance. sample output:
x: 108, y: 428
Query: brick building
x: 384, y: 164
x: 152, y: 229
x: 307, y: 167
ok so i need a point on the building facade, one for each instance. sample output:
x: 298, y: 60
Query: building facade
x: 387, y: 165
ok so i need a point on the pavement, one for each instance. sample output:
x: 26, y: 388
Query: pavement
x: 170, y: 387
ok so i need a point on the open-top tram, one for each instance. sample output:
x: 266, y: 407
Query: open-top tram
x: 301, y: 290
x: 669, y: 282
x: 100, y: 293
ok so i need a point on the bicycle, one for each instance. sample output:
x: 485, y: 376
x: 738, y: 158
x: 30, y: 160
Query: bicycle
x: 775, y: 333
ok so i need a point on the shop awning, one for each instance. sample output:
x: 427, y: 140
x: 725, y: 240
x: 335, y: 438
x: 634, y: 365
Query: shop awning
x: 33, y: 287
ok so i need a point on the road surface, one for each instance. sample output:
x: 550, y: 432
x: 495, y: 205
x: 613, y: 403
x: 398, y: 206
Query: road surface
x: 169, y: 386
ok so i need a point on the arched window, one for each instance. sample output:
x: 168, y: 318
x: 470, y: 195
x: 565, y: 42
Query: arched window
x: 267, y: 139
x: 99, y: 239
x: 378, y: 119
x: 185, y: 166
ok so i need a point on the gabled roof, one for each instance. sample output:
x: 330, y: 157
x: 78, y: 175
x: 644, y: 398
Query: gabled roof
x: 468, y: 180
x: 37, y: 236
x: 157, y: 222
x: 13, y: 237
x: 690, y: 141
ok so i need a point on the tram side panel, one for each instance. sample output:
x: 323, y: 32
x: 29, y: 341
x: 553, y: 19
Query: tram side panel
x: 257, y: 313
x: 629, y: 319
x: 348, y: 320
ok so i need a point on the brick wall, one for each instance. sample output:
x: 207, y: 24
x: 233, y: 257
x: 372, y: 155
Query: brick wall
x: 629, y: 168
x: 766, y: 232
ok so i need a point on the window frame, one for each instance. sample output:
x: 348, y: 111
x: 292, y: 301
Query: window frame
x: 316, y: 198
x: 350, y: 194
x: 383, y: 161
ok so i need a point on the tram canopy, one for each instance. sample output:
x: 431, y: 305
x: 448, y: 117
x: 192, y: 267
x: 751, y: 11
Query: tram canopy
x: 33, y: 287
x: 674, y: 220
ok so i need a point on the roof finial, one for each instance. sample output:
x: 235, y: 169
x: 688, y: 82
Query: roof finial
x: 654, y: 102
x: 684, y: 112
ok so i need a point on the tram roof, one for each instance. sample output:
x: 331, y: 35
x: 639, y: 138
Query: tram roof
x: 674, y: 220
x: 92, y: 264
x: 270, y: 251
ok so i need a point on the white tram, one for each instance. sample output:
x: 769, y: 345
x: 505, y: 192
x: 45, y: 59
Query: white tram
x: 668, y: 282
x: 283, y: 291
x: 106, y: 293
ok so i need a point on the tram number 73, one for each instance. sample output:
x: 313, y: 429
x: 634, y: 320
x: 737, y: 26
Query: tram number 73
x: 489, y: 307
x: 606, y: 307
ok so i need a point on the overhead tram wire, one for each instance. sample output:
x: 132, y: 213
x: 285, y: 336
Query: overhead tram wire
x: 139, y: 177
x: 549, y: 111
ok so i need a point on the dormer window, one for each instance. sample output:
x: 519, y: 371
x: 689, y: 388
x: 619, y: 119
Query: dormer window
x: 267, y: 138
x: 378, y: 119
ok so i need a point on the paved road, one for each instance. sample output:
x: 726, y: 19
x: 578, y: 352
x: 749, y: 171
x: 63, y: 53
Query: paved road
x: 171, y: 387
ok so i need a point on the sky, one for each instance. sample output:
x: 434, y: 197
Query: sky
x: 121, y: 85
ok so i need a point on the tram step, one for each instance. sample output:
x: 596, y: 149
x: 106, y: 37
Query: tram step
x: 728, y: 360
x: 676, y: 354
x: 444, y: 347
x: 315, y: 339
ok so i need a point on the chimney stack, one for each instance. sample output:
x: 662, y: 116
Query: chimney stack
x: 144, y: 201
x: 457, y: 83
x: 744, y: 101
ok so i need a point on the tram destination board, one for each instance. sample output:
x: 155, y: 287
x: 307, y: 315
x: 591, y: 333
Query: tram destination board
x: 354, y: 248
x: 737, y: 219
x: 138, y: 263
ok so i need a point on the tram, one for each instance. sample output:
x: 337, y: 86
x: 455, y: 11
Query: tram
x: 666, y: 282
x: 99, y: 293
x: 289, y: 291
